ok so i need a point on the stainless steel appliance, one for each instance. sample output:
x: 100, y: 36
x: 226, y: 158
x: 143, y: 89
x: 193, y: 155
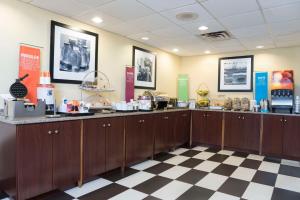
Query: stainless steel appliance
x: 282, y: 101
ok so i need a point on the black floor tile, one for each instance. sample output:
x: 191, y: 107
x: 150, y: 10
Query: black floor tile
x: 272, y: 159
x: 265, y: 178
x: 3, y: 195
x: 105, y: 192
x: 213, y: 149
x: 234, y: 187
x: 240, y: 154
x: 54, y: 195
x: 289, y: 171
x: 159, y: 168
x: 151, y: 198
x: 152, y: 184
x: 218, y: 158
x: 225, y: 170
x: 196, y: 193
x: 192, y: 176
x: 116, y: 175
x: 190, y: 153
x: 191, y: 163
x: 163, y: 156
x: 281, y: 194
x: 252, y: 164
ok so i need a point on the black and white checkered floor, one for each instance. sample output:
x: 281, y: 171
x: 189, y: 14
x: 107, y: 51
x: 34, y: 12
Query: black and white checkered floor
x: 198, y: 173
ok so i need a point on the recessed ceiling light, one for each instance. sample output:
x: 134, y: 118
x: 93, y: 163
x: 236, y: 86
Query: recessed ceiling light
x: 145, y: 38
x: 207, y: 52
x: 259, y: 46
x: 175, y: 50
x: 97, y: 20
x: 203, y: 28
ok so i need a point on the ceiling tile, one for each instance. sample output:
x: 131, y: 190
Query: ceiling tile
x: 225, y: 8
x: 171, y: 32
x: 275, y: 3
x: 243, y: 20
x: 161, y: 5
x: 289, y: 43
x: 94, y: 3
x: 212, y: 25
x: 124, y: 29
x: 195, y: 8
x: 288, y: 40
x: 225, y: 43
x: 284, y: 28
x: 66, y: 7
x: 254, y: 31
x: 125, y: 10
x: 252, y: 43
x: 283, y: 13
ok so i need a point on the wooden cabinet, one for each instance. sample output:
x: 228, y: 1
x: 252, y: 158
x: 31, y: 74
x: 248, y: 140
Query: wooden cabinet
x: 139, y: 137
x: 48, y: 157
x: 242, y: 131
x: 207, y: 127
x: 182, y: 128
x: 103, y: 145
x: 291, y: 137
x: 164, y: 132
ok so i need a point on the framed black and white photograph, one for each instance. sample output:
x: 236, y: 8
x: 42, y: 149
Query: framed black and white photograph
x: 144, y: 62
x: 73, y: 53
x: 236, y: 74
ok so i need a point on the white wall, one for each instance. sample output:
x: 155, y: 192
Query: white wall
x: 23, y: 23
x: 204, y: 69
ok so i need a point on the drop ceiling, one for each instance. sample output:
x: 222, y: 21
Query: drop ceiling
x: 251, y: 23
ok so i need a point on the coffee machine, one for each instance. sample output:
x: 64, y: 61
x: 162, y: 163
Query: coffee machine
x: 282, y: 92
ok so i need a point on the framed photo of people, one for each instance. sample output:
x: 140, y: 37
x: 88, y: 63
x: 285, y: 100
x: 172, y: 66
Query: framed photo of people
x: 144, y: 62
x: 236, y: 74
x: 73, y: 53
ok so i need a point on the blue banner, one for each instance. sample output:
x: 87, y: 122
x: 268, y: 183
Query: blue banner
x: 261, y: 86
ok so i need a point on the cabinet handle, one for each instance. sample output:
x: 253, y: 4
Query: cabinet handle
x: 56, y: 131
x: 143, y: 121
x: 243, y: 118
x: 239, y: 117
x: 140, y: 121
x: 207, y: 115
x: 104, y: 125
x: 281, y: 120
x: 285, y: 121
x: 49, y: 132
x: 166, y: 117
x: 109, y: 125
x: 204, y: 115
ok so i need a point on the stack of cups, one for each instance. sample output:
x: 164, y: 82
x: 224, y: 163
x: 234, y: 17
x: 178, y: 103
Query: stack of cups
x: 297, y: 104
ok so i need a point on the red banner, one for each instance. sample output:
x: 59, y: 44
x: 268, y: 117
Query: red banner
x: 30, y: 64
x: 129, y: 94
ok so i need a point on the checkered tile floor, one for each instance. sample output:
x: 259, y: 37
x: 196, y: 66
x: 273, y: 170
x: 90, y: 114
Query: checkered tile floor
x: 198, y: 173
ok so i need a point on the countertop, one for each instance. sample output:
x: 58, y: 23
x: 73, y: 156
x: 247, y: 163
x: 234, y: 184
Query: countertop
x: 36, y: 120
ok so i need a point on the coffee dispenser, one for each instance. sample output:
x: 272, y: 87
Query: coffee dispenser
x: 282, y: 92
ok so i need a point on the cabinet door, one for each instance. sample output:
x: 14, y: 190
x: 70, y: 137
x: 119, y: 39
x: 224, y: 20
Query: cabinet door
x: 272, y: 135
x: 164, y: 132
x: 198, y: 126
x: 233, y: 136
x: 251, y: 131
x: 114, y: 143
x: 291, y: 137
x: 94, y: 131
x: 66, y: 154
x: 182, y: 128
x: 34, y: 160
x: 139, y: 138
x: 213, y: 131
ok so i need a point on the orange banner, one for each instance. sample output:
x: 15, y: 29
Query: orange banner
x: 30, y: 64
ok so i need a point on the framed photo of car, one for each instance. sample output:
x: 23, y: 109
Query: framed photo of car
x: 144, y: 62
x: 236, y: 74
x: 73, y: 53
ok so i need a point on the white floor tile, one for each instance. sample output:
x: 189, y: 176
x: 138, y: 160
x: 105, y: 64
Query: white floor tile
x: 269, y: 167
x: 226, y: 152
x: 179, y: 151
x: 174, y: 172
x: 176, y: 160
x: 212, y: 181
x: 172, y: 190
x: 290, y: 163
x: 135, y: 179
x: 255, y: 157
x: 288, y: 183
x: 204, y: 155
x: 234, y: 160
x: 200, y: 148
x: 222, y: 196
x: 145, y: 165
x: 130, y: 194
x: 243, y: 173
x: 257, y: 191
x: 207, y: 166
x: 88, y: 187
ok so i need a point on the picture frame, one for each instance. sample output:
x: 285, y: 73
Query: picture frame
x: 73, y: 53
x: 236, y: 74
x: 145, y: 65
